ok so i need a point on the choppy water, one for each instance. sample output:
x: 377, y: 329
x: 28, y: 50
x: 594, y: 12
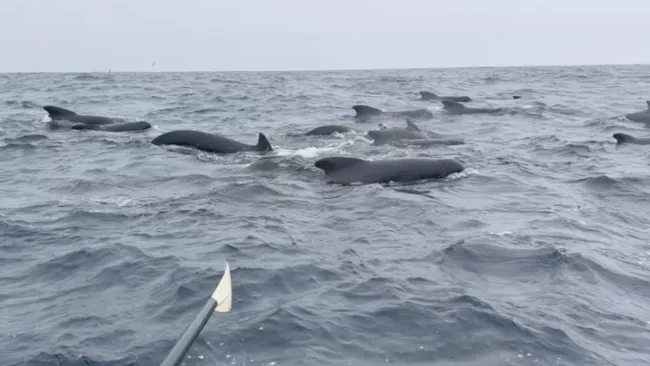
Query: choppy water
x: 537, y: 254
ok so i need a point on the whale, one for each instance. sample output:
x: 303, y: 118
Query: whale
x: 457, y: 108
x: 62, y: 114
x: 117, y: 127
x: 387, y: 134
x: 410, y: 126
x: 327, y: 130
x: 428, y: 142
x: 428, y: 96
x: 623, y: 138
x: 209, y: 142
x: 348, y: 170
x: 364, y: 112
x: 641, y: 116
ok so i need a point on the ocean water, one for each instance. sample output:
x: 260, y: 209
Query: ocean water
x: 537, y: 254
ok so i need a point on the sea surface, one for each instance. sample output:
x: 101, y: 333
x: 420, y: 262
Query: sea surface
x: 537, y: 254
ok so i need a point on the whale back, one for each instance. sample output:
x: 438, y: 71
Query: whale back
x: 425, y: 95
x: 263, y: 143
x: 327, y: 130
x: 83, y: 126
x: 58, y: 112
x: 648, y: 103
x: 450, y: 105
x: 364, y: 110
x: 622, y: 138
x: 333, y: 164
x: 129, y: 126
x: 461, y: 98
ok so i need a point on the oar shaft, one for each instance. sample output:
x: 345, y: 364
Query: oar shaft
x: 187, y: 339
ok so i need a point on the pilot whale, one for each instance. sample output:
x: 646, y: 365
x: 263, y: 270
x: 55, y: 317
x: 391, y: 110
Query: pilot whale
x: 62, y: 114
x: 623, y: 138
x: 457, y: 108
x: 428, y: 96
x: 428, y: 142
x: 347, y: 170
x: 327, y: 130
x: 117, y: 127
x: 209, y: 142
x: 364, y: 112
x: 641, y: 116
x: 387, y: 134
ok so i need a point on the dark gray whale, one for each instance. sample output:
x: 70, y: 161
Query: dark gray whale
x: 641, y: 116
x: 62, y: 114
x: 346, y: 170
x: 365, y: 112
x: 457, y: 108
x: 428, y: 96
x: 208, y: 142
x: 117, y: 127
x: 623, y: 138
x: 428, y: 142
x: 387, y: 134
x: 327, y: 130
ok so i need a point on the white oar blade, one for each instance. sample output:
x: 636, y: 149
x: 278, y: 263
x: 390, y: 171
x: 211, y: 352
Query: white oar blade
x: 223, y: 294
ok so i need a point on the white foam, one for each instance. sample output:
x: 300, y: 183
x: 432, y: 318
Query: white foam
x: 313, y: 151
x: 463, y: 174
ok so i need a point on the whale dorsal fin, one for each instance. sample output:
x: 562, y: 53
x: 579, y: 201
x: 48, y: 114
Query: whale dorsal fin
x: 54, y: 111
x: 411, y: 126
x: 623, y: 138
x: 263, y: 143
x: 648, y: 103
x: 364, y: 110
x: 427, y: 95
x: 330, y: 165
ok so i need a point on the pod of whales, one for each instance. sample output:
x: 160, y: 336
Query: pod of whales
x: 118, y: 127
x: 641, y: 116
x: 327, y: 130
x: 623, y: 138
x: 62, y: 114
x: 457, y: 108
x: 346, y: 170
x: 210, y: 142
x: 428, y: 96
x: 366, y: 112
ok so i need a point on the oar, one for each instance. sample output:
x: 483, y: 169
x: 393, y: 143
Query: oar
x: 221, y: 301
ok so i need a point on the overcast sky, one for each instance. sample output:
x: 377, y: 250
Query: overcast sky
x: 196, y: 35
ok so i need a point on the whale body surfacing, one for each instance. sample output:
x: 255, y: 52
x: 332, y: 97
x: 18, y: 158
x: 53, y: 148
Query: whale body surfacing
x: 641, y: 116
x: 429, y: 96
x: 347, y: 170
x: 62, y: 114
x: 208, y: 142
x: 624, y: 138
x: 457, y: 108
x: 364, y: 112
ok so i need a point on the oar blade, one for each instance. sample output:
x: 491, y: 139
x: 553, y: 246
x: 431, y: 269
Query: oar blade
x: 223, y: 293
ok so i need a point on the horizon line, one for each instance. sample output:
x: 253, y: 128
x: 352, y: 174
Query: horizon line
x: 326, y: 70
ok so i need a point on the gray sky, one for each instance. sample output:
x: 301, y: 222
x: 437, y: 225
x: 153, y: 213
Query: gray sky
x: 196, y: 35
